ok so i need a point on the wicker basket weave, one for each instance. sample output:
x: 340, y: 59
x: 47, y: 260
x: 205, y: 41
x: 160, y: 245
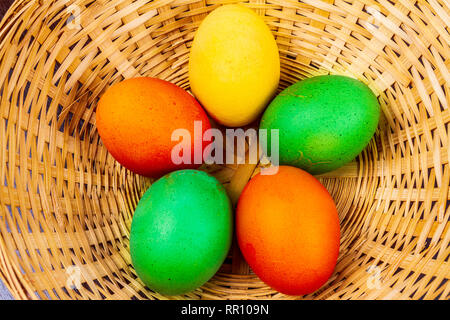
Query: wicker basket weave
x: 66, y: 205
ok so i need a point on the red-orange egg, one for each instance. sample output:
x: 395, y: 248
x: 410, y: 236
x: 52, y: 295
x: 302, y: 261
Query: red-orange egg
x: 136, y: 118
x: 288, y: 230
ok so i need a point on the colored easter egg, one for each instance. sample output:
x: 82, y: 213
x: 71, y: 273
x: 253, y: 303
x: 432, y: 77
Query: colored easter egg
x: 324, y: 122
x: 288, y: 230
x: 136, y: 118
x: 234, y: 65
x: 181, y: 232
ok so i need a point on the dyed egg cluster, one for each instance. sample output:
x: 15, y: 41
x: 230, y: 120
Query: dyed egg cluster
x: 287, y: 224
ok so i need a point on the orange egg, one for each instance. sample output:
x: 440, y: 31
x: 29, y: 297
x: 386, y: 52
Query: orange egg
x: 136, y: 118
x: 288, y: 230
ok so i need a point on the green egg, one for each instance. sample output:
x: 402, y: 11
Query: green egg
x: 324, y: 122
x: 181, y: 232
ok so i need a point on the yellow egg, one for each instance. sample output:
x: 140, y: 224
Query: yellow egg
x: 234, y: 65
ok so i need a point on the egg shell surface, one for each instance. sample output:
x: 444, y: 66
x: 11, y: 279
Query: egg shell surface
x: 288, y: 230
x: 181, y: 232
x: 136, y: 118
x: 234, y: 65
x: 324, y: 122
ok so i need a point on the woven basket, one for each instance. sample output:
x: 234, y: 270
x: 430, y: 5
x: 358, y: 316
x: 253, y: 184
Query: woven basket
x: 66, y: 205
